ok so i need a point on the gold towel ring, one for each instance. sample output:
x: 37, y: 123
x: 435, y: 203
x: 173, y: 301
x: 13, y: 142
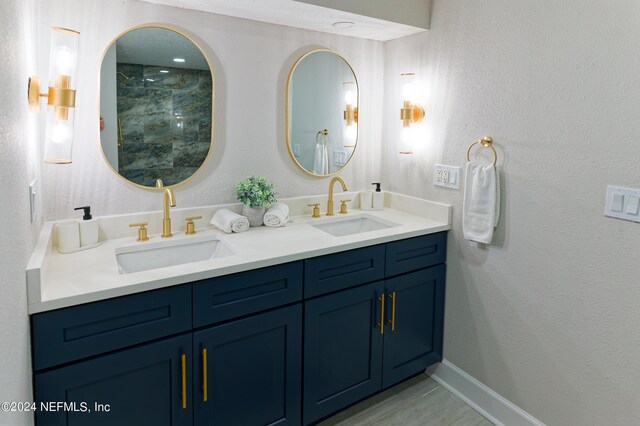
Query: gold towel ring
x: 487, y: 142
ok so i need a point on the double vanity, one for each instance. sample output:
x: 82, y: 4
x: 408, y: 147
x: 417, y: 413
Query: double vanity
x: 170, y: 321
x: 276, y: 326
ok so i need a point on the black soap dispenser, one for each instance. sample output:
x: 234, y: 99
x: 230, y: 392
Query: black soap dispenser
x: 377, y: 198
x: 88, y: 228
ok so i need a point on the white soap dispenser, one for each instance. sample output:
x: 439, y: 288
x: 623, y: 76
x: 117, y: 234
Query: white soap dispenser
x: 377, y: 198
x: 88, y: 228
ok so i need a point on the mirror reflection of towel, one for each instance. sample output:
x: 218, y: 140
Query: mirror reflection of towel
x: 321, y: 161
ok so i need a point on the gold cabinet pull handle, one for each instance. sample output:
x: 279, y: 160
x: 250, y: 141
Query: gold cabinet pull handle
x: 381, y: 323
x: 184, y: 380
x: 204, y: 374
x: 392, y: 321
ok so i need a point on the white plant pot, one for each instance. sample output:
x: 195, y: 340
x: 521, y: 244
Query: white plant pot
x: 254, y: 214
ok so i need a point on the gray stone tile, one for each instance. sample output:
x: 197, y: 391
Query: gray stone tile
x: 190, y: 154
x: 204, y: 131
x: 134, y: 175
x: 206, y: 83
x: 128, y: 107
x: 177, y: 78
x: 159, y: 101
x: 132, y: 77
x: 159, y: 155
x: 188, y: 103
x: 157, y: 125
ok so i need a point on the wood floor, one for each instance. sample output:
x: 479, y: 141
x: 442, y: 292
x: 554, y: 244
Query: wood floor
x: 418, y: 402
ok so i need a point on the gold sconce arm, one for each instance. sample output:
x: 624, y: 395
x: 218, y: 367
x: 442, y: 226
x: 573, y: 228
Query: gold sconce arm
x: 411, y: 113
x: 350, y: 115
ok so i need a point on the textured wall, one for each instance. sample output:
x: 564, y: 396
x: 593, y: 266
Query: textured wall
x: 548, y: 316
x: 251, y: 64
x: 166, y: 122
x: 18, y: 152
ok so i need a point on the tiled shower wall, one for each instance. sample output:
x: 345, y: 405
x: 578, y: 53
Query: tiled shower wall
x: 165, y: 120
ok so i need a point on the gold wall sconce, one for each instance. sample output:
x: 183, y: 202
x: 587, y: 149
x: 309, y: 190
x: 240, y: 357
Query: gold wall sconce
x: 410, y: 113
x: 350, y: 111
x: 350, y: 114
x: 61, y: 95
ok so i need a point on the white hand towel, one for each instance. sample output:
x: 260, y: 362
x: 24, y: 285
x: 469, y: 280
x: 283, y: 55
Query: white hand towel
x: 481, y: 204
x: 277, y: 215
x: 229, y: 221
x: 321, y: 160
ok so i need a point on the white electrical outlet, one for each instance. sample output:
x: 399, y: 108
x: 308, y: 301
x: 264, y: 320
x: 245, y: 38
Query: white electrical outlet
x: 447, y: 176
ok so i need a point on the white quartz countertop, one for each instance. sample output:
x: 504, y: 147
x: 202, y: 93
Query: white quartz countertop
x: 61, y: 280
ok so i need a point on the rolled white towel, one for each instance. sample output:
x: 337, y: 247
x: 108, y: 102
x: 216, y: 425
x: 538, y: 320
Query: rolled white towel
x: 277, y: 215
x: 229, y: 221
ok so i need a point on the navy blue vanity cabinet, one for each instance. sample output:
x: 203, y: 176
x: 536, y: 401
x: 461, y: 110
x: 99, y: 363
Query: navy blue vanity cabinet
x: 366, y: 337
x: 343, y: 349
x: 82, y: 331
x: 413, y: 337
x: 249, y: 372
x: 139, y: 386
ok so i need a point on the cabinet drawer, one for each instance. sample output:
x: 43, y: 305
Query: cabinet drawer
x: 86, y: 330
x: 415, y: 253
x: 343, y: 270
x: 227, y: 297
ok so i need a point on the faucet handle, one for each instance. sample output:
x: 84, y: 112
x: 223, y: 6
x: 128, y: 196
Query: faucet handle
x: 316, y: 209
x: 343, y: 206
x: 142, y: 232
x: 191, y: 227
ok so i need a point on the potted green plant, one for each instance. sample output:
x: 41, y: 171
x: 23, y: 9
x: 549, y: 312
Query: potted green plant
x: 256, y: 194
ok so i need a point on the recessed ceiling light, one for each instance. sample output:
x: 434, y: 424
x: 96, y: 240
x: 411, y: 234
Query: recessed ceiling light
x: 178, y: 60
x: 343, y: 24
x: 164, y: 71
x: 150, y: 79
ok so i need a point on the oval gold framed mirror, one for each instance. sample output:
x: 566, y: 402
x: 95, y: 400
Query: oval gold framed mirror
x: 156, y: 106
x: 322, y: 112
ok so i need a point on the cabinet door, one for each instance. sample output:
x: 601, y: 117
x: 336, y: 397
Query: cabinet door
x: 418, y: 317
x: 343, y: 348
x: 253, y: 370
x: 141, y: 386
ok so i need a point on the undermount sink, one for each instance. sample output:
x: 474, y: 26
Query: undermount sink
x: 339, y: 227
x: 145, y: 256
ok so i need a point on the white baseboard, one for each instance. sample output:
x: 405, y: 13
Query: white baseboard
x: 481, y: 398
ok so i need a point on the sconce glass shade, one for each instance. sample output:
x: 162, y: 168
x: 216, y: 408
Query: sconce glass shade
x: 350, y: 128
x: 63, y: 64
x: 410, y: 113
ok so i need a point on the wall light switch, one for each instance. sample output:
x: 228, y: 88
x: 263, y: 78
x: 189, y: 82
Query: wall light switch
x: 617, y: 202
x: 622, y: 203
x: 632, y: 205
x: 447, y: 176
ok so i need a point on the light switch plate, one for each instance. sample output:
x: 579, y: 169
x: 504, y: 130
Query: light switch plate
x: 339, y: 158
x: 622, y: 203
x: 447, y: 176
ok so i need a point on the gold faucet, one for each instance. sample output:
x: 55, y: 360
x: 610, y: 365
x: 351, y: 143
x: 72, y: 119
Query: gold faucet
x: 169, y: 201
x: 330, y: 202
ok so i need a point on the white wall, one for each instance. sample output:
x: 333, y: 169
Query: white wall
x: 548, y: 316
x: 252, y: 61
x: 19, y: 154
